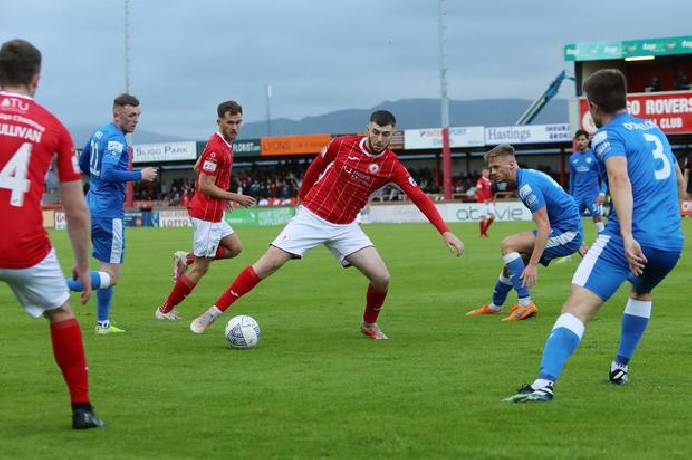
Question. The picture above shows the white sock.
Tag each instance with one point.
(599, 227)
(525, 302)
(104, 280)
(215, 312)
(541, 383)
(494, 307)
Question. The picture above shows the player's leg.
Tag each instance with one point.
(208, 238)
(104, 299)
(369, 262)
(599, 275)
(515, 250)
(597, 215)
(101, 237)
(637, 313)
(42, 291)
(246, 281)
(481, 225)
(490, 218)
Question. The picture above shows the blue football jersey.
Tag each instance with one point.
(538, 190)
(105, 154)
(585, 175)
(651, 169)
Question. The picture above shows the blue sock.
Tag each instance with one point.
(561, 343)
(515, 267)
(98, 281)
(502, 287)
(634, 322)
(105, 297)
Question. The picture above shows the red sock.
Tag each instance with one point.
(481, 226)
(190, 258)
(69, 354)
(221, 253)
(183, 287)
(243, 284)
(375, 299)
(488, 223)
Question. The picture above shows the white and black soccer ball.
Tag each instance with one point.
(242, 332)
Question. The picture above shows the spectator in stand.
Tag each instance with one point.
(654, 85)
(680, 83)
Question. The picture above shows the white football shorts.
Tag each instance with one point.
(487, 209)
(207, 236)
(307, 230)
(39, 288)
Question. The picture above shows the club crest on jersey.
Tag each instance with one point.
(374, 168)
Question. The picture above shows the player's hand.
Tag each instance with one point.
(149, 174)
(635, 257)
(583, 249)
(529, 276)
(83, 276)
(453, 243)
(601, 199)
(245, 201)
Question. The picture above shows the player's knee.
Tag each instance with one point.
(64, 312)
(380, 280)
(114, 277)
(507, 246)
(235, 250)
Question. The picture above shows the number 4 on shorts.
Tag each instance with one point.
(13, 175)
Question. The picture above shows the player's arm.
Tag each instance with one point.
(76, 211)
(318, 166)
(207, 185)
(110, 165)
(427, 207)
(621, 195)
(85, 159)
(540, 218)
(682, 185)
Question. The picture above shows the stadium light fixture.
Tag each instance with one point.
(648, 57)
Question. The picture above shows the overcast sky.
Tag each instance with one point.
(319, 56)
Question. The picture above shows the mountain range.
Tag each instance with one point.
(410, 114)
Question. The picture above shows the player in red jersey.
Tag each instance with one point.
(484, 196)
(30, 139)
(335, 188)
(213, 238)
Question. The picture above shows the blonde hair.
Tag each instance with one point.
(502, 150)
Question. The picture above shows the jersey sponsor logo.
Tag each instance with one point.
(373, 168)
(115, 147)
(599, 137)
(644, 126)
(15, 105)
(525, 190)
(209, 166)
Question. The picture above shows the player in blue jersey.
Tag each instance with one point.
(558, 232)
(586, 183)
(641, 243)
(105, 159)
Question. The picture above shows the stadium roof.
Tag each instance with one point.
(617, 50)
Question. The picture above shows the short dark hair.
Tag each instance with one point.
(383, 118)
(19, 62)
(608, 89)
(581, 132)
(228, 106)
(125, 99)
(502, 150)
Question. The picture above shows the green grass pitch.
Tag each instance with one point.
(315, 388)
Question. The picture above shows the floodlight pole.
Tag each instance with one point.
(268, 94)
(129, 195)
(444, 104)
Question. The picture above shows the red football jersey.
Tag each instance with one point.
(339, 181)
(216, 160)
(30, 138)
(484, 190)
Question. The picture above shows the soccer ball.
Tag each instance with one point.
(242, 332)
